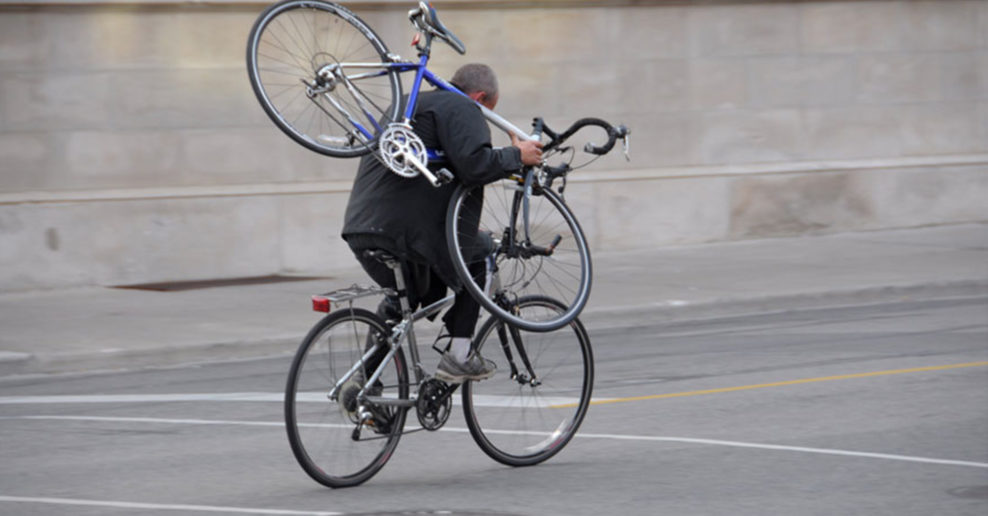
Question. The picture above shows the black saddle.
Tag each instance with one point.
(436, 27)
(382, 256)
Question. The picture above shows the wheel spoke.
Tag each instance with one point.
(520, 424)
(321, 429)
(522, 270)
(290, 44)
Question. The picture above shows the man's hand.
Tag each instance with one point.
(531, 151)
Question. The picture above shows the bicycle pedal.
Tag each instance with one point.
(444, 176)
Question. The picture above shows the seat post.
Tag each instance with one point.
(405, 327)
(399, 272)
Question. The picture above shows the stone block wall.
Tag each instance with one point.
(132, 148)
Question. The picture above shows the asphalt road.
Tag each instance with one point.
(877, 410)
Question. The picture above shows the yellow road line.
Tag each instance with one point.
(780, 384)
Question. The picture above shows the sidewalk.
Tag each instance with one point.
(96, 328)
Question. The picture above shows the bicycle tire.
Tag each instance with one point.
(289, 42)
(495, 209)
(499, 410)
(320, 429)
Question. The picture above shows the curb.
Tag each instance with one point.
(12, 363)
(24, 364)
(599, 319)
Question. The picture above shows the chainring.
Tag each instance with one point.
(397, 142)
(434, 404)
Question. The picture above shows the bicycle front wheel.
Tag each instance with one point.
(322, 75)
(541, 254)
(535, 403)
(321, 416)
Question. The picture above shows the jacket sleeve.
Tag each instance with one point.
(465, 137)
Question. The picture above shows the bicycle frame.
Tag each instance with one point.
(422, 73)
(403, 331)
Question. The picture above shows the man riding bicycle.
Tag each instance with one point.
(406, 217)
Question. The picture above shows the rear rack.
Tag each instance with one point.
(322, 302)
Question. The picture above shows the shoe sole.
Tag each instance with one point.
(451, 378)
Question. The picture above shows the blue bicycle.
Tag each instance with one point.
(329, 82)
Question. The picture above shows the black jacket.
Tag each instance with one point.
(408, 215)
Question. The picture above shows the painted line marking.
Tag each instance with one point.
(159, 507)
(619, 437)
(780, 447)
(155, 420)
(308, 397)
(778, 384)
(142, 398)
(486, 401)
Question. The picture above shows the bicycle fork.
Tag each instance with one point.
(522, 378)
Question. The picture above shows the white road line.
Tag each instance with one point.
(229, 422)
(154, 420)
(619, 437)
(481, 401)
(803, 449)
(141, 398)
(160, 507)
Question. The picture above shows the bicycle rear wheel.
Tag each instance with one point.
(518, 420)
(320, 74)
(547, 256)
(320, 427)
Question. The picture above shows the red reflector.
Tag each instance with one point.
(320, 304)
(417, 38)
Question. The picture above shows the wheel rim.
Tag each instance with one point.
(289, 45)
(564, 276)
(520, 424)
(320, 429)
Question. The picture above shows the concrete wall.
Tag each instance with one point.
(132, 148)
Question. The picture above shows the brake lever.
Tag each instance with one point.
(625, 134)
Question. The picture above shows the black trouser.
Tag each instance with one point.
(422, 286)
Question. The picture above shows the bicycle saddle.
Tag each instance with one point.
(437, 28)
(380, 255)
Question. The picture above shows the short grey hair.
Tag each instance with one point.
(474, 77)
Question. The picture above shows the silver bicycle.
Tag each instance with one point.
(344, 417)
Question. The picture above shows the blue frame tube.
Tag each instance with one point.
(421, 72)
(414, 94)
(441, 83)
